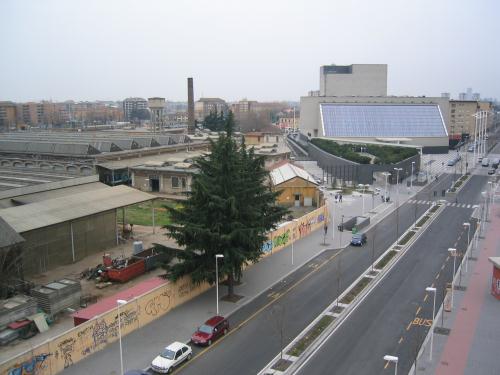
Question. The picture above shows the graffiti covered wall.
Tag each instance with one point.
(54, 356)
(293, 231)
(85, 339)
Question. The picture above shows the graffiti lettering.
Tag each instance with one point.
(267, 246)
(156, 305)
(100, 333)
(31, 367)
(282, 239)
(66, 347)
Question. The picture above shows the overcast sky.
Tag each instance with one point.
(258, 49)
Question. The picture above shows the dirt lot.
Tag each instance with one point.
(64, 321)
(74, 270)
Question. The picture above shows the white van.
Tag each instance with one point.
(485, 162)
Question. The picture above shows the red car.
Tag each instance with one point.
(213, 328)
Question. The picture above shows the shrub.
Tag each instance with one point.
(383, 154)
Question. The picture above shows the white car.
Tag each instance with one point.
(172, 356)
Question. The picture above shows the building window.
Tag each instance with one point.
(175, 182)
(183, 181)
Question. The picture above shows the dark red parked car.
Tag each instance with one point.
(213, 328)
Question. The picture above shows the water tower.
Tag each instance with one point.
(156, 106)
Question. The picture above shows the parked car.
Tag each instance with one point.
(213, 328)
(136, 372)
(485, 162)
(172, 356)
(451, 162)
(495, 162)
(491, 171)
(358, 239)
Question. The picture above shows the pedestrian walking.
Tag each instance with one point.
(336, 197)
(340, 198)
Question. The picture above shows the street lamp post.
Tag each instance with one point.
(120, 302)
(393, 359)
(397, 204)
(433, 290)
(468, 242)
(411, 177)
(397, 180)
(363, 187)
(217, 257)
(453, 253)
(386, 174)
(294, 221)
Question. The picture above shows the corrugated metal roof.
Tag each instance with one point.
(58, 210)
(289, 171)
(8, 236)
(57, 193)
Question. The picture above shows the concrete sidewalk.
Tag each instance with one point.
(471, 348)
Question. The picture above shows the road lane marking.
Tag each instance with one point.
(255, 314)
(386, 364)
(400, 340)
(425, 298)
(409, 325)
(418, 310)
(442, 267)
(437, 276)
(448, 258)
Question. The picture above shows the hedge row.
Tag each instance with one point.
(383, 154)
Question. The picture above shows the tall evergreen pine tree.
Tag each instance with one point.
(230, 209)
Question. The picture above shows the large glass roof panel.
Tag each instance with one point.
(381, 120)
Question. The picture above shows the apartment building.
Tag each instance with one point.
(133, 104)
(204, 106)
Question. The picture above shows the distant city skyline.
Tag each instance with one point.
(269, 51)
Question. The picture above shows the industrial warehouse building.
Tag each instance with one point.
(61, 228)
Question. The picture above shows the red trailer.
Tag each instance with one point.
(132, 268)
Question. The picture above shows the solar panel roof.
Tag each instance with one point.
(375, 120)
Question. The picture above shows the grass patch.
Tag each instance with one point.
(383, 262)
(434, 209)
(349, 297)
(337, 309)
(140, 214)
(312, 335)
(458, 183)
(281, 365)
(422, 221)
(406, 238)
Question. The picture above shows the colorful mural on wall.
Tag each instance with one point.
(294, 231)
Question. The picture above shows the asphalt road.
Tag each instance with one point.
(292, 304)
(396, 315)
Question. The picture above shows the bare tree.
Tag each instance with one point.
(278, 315)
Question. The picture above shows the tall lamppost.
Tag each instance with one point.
(453, 253)
(120, 302)
(397, 181)
(386, 174)
(411, 177)
(433, 290)
(393, 359)
(363, 187)
(294, 226)
(467, 225)
(217, 257)
(397, 204)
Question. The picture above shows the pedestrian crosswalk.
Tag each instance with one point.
(448, 204)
